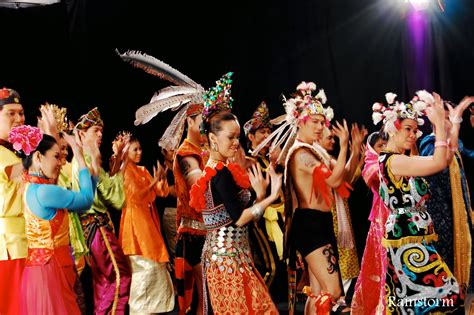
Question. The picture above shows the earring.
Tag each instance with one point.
(214, 146)
(41, 173)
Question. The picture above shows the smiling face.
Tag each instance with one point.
(311, 130)
(11, 115)
(49, 163)
(227, 139)
(405, 137)
(135, 152)
(327, 140)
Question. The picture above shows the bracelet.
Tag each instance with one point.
(256, 211)
(455, 120)
(441, 143)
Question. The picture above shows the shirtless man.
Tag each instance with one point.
(311, 180)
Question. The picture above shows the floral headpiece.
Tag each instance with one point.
(260, 119)
(395, 110)
(92, 118)
(303, 104)
(298, 108)
(25, 138)
(218, 98)
(60, 115)
(9, 96)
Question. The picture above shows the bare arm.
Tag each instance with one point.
(190, 169)
(402, 165)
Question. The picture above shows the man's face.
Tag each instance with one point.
(11, 115)
(258, 136)
(92, 136)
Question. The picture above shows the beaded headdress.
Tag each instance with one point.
(299, 108)
(391, 114)
(260, 119)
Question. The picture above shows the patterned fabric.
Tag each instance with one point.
(9, 96)
(450, 209)
(260, 119)
(369, 292)
(92, 118)
(194, 109)
(417, 279)
(232, 283)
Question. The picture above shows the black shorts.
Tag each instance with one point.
(311, 229)
(190, 248)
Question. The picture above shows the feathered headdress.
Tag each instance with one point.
(395, 110)
(260, 119)
(25, 138)
(218, 98)
(185, 95)
(299, 108)
(60, 115)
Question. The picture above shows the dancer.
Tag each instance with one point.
(151, 290)
(450, 206)
(266, 235)
(417, 279)
(232, 283)
(111, 273)
(49, 277)
(369, 293)
(13, 245)
(309, 180)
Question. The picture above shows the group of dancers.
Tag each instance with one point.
(253, 226)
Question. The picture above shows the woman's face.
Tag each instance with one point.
(405, 137)
(50, 162)
(227, 138)
(380, 145)
(311, 130)
(64, 151)
(135, 152)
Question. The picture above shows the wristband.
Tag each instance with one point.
(256, 211)
(440, 143)
(455, 120)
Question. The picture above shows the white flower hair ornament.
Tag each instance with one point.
(392, 114)
(303, 104)
(298, 109)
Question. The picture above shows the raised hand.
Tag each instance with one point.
(455, 114)
(435, 112)
(342, 132)
(47, 123)
(276, 181)
(258, 182)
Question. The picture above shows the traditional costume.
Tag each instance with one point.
(111, 273)
(185, 96)
(417, 279)
(369, 293)
(49, 277)
(151, 290)
(451, 211)
(13, 245)
(232, 284)
(301, 223)
(266, 235)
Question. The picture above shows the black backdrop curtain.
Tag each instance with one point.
(356, 50)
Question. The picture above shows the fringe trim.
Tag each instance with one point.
(409, 240)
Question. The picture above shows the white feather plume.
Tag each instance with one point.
(157, 67)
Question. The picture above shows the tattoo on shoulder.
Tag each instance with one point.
(307, 159)
(184, 166)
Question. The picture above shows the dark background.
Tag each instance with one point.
(357, 50)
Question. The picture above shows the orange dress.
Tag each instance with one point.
(141, 240)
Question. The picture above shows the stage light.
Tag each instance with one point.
(420, 5)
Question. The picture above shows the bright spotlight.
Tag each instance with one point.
(419, 5)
